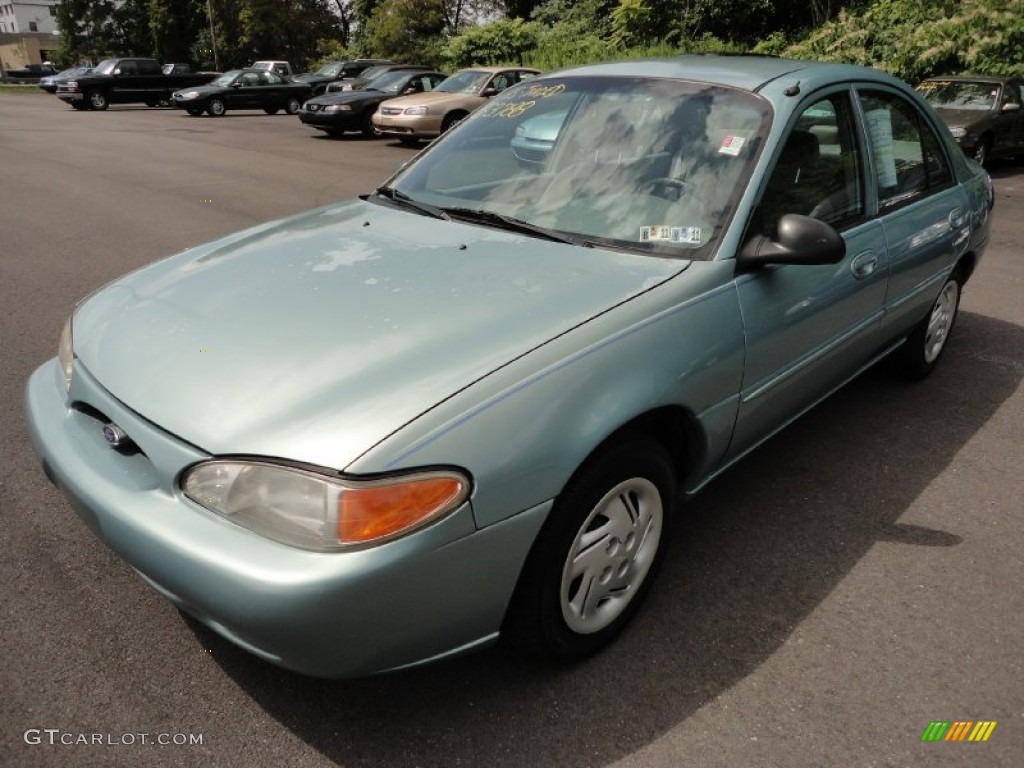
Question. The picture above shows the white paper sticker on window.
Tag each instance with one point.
(731, 145)
(880, 132)
(668, 234)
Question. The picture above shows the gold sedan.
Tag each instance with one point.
(428, 115)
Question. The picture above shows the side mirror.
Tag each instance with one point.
(117, 71)
(1011, 107)
(799, 240)
(489, 91)
(236, 84)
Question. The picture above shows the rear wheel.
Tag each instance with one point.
(97, 100)
(922, 350)
(292, 106)
(216, 108)
(597, 554)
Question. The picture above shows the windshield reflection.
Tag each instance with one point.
(655, 166)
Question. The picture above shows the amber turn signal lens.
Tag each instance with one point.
(368, 514)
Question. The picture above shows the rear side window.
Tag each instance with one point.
(908, 159)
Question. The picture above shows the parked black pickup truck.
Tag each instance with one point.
(128, 81)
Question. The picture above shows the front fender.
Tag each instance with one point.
(523, 430)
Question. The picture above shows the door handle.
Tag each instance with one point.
(863, 264)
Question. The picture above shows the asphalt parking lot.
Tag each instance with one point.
(855, 579)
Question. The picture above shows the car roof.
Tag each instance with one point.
(970, 79)
(747, 72)
(499, 69)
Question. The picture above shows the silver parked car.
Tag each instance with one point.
(395, 428)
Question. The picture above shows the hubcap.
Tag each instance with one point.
(940, 321)
(611, 555)
(217, 107)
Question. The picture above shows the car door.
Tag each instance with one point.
(1010, 133)
(924, 214)
(125, 88)
(245, 93)
(810, 328)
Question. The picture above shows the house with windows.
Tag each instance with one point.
(28, 32)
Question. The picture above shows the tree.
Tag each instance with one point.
(500, 42)
(406, 30)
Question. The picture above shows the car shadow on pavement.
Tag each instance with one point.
(751, 558)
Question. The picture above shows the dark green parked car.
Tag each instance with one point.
(983, 113)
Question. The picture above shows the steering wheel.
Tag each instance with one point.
(666, 187)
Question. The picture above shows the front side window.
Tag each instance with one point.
(650, 165)
(907, 155)
(819, 169)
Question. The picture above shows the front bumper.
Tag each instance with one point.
(439, 591)
(70, 96)
(341, 120)
(411, 126)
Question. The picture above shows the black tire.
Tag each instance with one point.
(293, 105)
(574, 596)
(271, 110)
(194, 112)
(97, 100)
(983, 151)
(921, 352)
(450, 121)
(368, 129)
(216, 107)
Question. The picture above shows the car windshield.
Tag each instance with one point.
(960, 94)
(649, 165)
(105, 67)
(467, 81)
(227, 78)
(390, 82)
(331, 69)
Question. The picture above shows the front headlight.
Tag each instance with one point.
(958, 133)
(66, 353)
(187, 94)
(416, 111)
(318, 512)
(338, 108)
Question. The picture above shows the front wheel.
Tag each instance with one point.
(597, 554)
(451, 120)
(271, 110)
(983, 150)
(292, 106)
(216, 108)
(369, 130)
(920, 353)
(97, 100)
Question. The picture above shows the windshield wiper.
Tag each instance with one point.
(511, 224)
(402, 200)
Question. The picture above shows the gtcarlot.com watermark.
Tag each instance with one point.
(56, 737)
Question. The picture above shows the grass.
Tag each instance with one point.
(13, 88)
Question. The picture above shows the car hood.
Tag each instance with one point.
(315, 337)
(346, 97)
(430, 98)
(963, 118)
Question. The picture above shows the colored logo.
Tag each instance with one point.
(958, 730)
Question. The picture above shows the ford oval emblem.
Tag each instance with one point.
(116, 436)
